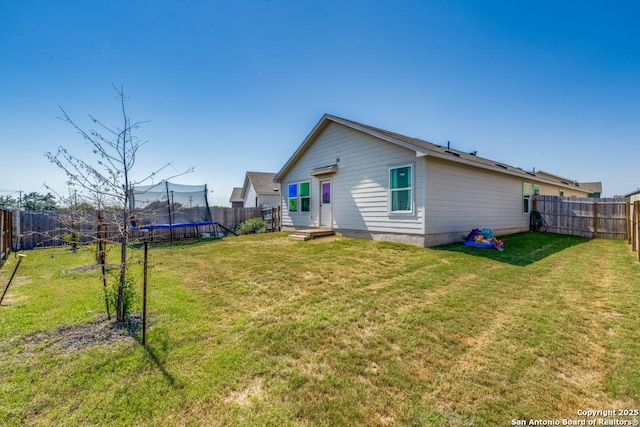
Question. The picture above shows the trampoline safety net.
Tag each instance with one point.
(170, 204)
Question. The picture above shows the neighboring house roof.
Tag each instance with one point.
(262, 183)
(422, 148)
(591, 187)
(236, 195)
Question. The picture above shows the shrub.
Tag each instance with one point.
(252, 225)
(131, 298)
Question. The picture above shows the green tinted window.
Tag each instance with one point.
(400, 184)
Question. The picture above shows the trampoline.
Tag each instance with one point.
(169, 206)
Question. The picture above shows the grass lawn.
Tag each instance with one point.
(260, 330)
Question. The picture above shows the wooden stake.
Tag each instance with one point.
(20, 256)
(144, 294)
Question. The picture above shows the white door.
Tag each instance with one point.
(325, 203)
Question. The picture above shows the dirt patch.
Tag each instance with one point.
(90, 267)
(84, 335)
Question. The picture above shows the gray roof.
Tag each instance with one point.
(592, 187)
(262, 182)
(236, 195)
(423, 148)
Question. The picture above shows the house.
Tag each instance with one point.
(362, 181)
(594, 188)
(258, 190)
(236, 198)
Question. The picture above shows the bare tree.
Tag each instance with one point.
(107, 179)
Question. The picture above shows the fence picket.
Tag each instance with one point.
(271, 216)
(586, 217)
(49, 228)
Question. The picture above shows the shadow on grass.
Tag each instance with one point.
(154, 358)
(160, 244)
(134, 328)
(521, 249)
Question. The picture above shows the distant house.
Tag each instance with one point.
(236, 198)
(258, 190)
(633, 196)
(594, 188)
(363, 181)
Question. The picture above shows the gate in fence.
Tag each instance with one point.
(271, 216)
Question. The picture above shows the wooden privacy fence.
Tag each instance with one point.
(60, 227)
(6, 224)
(581, 216)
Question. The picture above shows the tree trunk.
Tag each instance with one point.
(122, 283)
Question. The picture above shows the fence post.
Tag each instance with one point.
(632, 227)
(273, 228)
(636, 214)
(627, 212)
(595, 220)
(2, 238)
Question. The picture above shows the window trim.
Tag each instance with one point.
(294, 198)
(296, 188)
(300, 197)
(410, 189)
(526, 198)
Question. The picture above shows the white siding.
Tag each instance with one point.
(360, 189)
(250, 197)
(461, 198)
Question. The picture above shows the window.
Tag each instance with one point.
(300, 197)
(536, 190)
(293, 197)
(400, 185)
(526, 197)
(305, 196)
(326, 192)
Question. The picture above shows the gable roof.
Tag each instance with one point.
(422, 148)
(236, 195)
(262, 183)
(591, 187)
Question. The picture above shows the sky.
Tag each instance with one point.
(230, 86)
